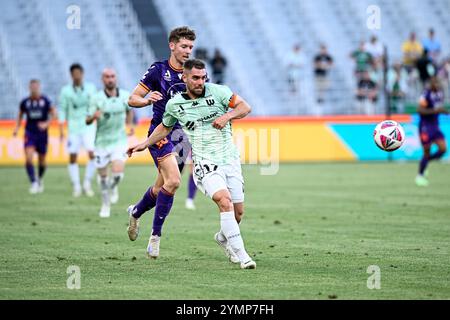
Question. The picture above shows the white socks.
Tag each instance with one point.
(90, 171)
(230, 229)
(105, 190)
(115, 179)
(74, 173)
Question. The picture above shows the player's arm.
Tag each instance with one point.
(158, 134)
(94, 112)
(62, 113)
(138, 97)
(130, 122)
(424, 111)
(240, 109)
(18, 122)
(43, 125)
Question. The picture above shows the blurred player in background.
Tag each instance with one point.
(203, 112)
(109, 108)
(73, 106)
(39, 111)
(430, 106)
(161, 82)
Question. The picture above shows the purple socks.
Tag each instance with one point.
(192, 188)
(30, 172)
(147, 202)
(163, 205)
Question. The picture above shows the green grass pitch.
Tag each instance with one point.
(313, 229)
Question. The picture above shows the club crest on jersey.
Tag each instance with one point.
(167, 76)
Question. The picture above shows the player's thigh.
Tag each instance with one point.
(209, 183)
(88, 140)
(101, 158)
(118, 158)
(235, 181)
(29, 153)
(73, 143)
(168, 167)
(442, 144)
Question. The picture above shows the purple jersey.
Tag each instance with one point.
(433, 100)
(164, 78)
(36, 110)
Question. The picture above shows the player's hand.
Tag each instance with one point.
(442, 110)
(221, 122)
(136, 148)
(16, 130)
(97, 114)
(154, 97)
(131, 132)
(43, 125)
(61, 136)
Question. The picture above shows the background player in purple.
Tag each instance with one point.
(430, 106)
(39, 111)
(161, 82)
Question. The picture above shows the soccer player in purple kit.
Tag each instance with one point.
(430, 106)
(161, 82)
(39, 112)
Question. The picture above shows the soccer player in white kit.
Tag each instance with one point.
(203, 112)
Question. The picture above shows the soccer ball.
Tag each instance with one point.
(389, 135)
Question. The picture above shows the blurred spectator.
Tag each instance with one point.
(376, 49)
(367, 94)
(296, 61)
(412, 51)
(218, 64)
(397, 86)
(432, 45)
(363, 60)
(322, 64)
(201, 53)
(444, 77)
(426, 68)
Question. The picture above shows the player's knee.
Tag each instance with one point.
(172, 184)
(91, 155)
(224, 203)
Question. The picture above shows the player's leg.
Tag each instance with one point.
(88, 139)
(117, 174)
(102, 161)
(147, 202)
(442, 149)
(41, 149)
(230, 228)
(192, 189)
(73, 146)
(168, 167)
(421, 180)
(29, 154)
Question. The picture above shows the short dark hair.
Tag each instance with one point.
(182, 32)
(76, 66)
(34, 81)
(194, 63)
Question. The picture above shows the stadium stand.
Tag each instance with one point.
(255, 37)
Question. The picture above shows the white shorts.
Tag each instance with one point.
(104, 156)
(85, 140)
(210, 178)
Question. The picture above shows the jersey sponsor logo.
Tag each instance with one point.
(211, 116)
(210, 102)
(167, 76)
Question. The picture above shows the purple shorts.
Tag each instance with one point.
(175, 143)
(430, 134)
(37, 140)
